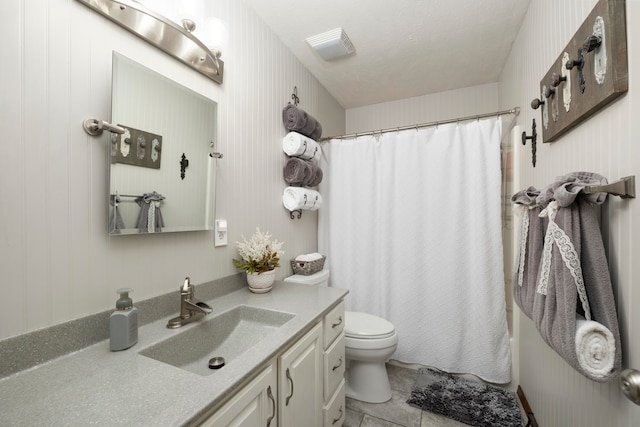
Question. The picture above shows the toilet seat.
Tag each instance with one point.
(367, 326)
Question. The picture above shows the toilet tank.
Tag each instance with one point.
(320, 278)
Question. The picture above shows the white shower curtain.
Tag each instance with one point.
(411, 225)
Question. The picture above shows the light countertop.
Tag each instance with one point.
(99, 387)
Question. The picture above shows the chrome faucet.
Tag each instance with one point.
(190, 308)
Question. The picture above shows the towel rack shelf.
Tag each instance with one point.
(624, 187)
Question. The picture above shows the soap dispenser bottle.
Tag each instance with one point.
(123, 323)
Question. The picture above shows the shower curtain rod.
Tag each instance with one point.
(515, 110)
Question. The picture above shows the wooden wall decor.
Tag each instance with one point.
(589, 74)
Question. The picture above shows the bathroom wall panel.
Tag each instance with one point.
(57, 261)
(423, 109)
(607, 144)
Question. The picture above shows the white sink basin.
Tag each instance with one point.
(226, 335)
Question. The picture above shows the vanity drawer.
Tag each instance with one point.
(335, 411)
(334, 364)
(333, 324)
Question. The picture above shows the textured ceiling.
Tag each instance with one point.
(404, 48)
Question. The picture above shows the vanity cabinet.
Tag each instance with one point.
(304, 386)
(334, 363)
(300, 383)
(253, 406)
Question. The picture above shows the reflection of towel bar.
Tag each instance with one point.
(625, 188)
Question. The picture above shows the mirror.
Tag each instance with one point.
(162, 177)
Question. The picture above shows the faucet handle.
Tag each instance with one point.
(186, 286)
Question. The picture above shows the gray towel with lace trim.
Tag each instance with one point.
(532, 232)
(554, 313)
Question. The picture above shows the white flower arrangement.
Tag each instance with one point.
(259, 254)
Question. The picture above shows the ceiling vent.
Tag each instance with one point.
(331, 45)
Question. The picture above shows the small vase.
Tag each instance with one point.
(261, 283)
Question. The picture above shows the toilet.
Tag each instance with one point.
(369, 342)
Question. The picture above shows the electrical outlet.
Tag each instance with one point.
(220, 238)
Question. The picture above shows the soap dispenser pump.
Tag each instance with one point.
(123, 323)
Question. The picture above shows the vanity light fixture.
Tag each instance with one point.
(173, 39)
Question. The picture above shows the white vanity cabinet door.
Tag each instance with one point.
(253, 406)
(300, 383)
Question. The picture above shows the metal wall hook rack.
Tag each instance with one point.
(625, 188)
(533, 138)
(95, 127)
(291, 213)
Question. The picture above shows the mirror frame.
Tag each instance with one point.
(188, 124)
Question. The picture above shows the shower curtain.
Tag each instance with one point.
(411, 226)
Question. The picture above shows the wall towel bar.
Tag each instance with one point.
(624, 187)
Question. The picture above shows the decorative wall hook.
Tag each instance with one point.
(536, 103)
(299, 213)
(294, 96)
(184, 164)
(533, 138)
(556, 79)
(579, 64)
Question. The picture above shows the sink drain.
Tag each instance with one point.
(216, 362)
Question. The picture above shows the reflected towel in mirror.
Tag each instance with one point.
(150, 218)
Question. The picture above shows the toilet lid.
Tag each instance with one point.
(363, 326)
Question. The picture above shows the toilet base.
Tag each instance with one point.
(368, 382)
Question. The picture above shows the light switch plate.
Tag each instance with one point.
(220, 238)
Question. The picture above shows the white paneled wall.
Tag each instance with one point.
(424, 109)
(57, 261)
(607, 144)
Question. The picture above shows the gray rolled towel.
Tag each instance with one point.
(297, 120)
(299, 172)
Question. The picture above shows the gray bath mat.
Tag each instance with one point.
(470, 402)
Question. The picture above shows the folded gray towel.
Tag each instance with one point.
(565, 189)
(545, 285)
(299, 172)
(150, 217)
(532, 233)
(554, 313)
(297, 120)
(115, 219)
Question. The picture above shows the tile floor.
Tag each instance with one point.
(396, 412)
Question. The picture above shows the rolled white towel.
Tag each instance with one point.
(301, 198)
(595, 347)
(309, 257)
(298, 145)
